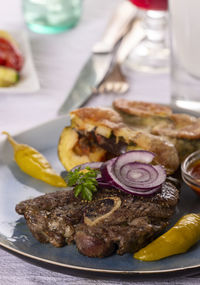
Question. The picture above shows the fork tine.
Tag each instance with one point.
(124, 88)
(109, 87)
(115, 82)
(116, 87)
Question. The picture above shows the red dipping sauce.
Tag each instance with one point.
(194, 170)
(160, 5)
(190, 169)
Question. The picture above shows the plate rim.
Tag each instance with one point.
(128, 272)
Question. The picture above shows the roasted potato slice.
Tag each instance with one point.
(97, 134)
(67, 150)
(103, 120)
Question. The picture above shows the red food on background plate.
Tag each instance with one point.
(10, 55)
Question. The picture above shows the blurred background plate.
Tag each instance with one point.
(28, 82)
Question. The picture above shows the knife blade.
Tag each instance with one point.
(90, 76)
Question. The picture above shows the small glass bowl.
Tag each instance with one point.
(191, 181)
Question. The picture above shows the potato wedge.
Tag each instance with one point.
(67, 154)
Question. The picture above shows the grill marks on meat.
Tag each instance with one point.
(51, 218)
(119, 222)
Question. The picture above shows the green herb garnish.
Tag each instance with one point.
(84, 183)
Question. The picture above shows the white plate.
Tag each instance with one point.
(28, 82)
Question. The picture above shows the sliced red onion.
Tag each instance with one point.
(103, 183)
(132, 156)
(92, 165)
(141, 175)
(137, 172)
(132, 173)
(105, 170)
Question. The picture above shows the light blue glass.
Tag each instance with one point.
(51, 16)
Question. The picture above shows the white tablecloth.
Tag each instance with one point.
(58, 60)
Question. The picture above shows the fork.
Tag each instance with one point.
(115, 81)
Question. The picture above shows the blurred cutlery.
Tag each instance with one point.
(115, 81)
(97, 66)
(117, 27)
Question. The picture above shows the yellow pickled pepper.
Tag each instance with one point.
(34, 163)
(184, 234)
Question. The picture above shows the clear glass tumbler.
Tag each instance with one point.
(51, 16)
(185, 46)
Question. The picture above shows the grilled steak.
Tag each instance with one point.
(112, 221)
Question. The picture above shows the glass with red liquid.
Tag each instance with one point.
(152, 54)
(160, 5)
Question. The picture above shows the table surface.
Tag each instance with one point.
(58, 60)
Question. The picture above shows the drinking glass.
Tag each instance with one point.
(152, 53)
(185, 59)
(51, 16)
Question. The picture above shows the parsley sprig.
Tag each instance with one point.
(84, 182)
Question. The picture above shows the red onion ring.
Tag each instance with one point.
(103, 183)
(132, 173)
(131, 170)
(132, 156)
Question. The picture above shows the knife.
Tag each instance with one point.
(90, 76)
(97, 66)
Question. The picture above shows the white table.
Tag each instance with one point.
(58, 60)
